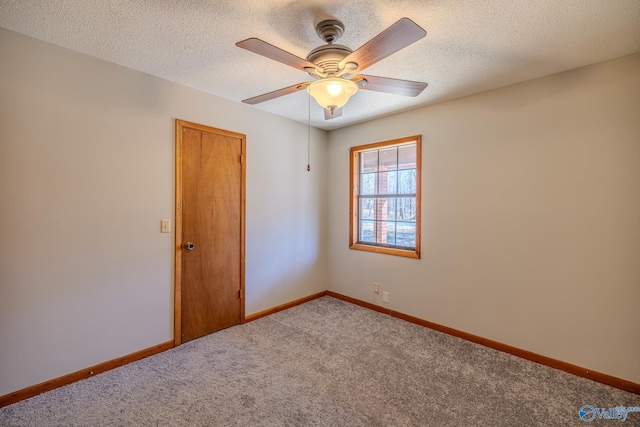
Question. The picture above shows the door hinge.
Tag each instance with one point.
(240, 293)
(241, 158)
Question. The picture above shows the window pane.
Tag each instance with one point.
(391, 208)
(388, 182)
(367, 209)
(407, 181)
(382, 233)
(382, 209)
(369, 161)
(368, 184)
(406, 234)
(406, 209)
(389, 230)
(367, 231)
(388, 159)
(407, 156)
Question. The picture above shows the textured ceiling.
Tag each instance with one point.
(471, 45)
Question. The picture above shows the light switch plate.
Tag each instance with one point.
(165, 225)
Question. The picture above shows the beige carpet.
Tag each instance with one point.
(325, 363)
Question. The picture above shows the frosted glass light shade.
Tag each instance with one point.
(332, 92)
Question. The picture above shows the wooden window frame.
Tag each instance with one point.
(354, 183)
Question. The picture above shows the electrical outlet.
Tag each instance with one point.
(385, 297)
(376, 288)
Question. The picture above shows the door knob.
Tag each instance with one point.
(189, 246)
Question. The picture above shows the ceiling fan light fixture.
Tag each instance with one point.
(332, 92)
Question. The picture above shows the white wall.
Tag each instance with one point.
(87, 160)
(530, 217)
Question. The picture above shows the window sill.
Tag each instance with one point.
(389, 251)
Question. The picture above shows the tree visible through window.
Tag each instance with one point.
(385, 199)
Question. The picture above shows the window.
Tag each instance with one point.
(385, 197)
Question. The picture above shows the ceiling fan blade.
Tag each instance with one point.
(328, 114)
(387, 85)
(396, 37)
(270, 51)
(276, 93)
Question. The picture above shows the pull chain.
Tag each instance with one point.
(309, 135)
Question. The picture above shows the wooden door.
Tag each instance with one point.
(210, 186)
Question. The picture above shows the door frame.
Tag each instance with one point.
(177, 303)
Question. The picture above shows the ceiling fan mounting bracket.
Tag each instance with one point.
(361, 82)
(330, 30)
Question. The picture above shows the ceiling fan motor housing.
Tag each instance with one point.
(328, 57)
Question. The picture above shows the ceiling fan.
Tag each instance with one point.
(335, 66)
